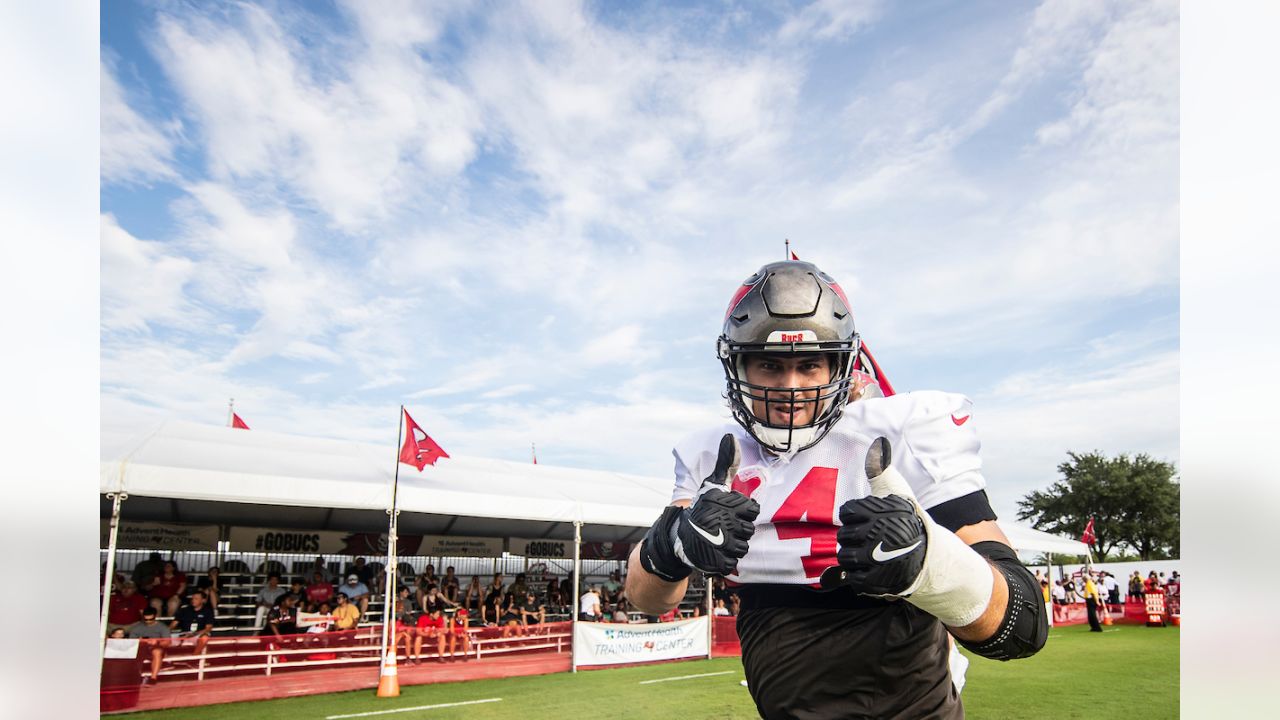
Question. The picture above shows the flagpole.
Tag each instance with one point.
(575, 602)
(231, 405)
(388, 605)
(787, 251)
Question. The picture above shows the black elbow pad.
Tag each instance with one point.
(1026, 624)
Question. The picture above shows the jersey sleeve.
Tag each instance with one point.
(942, 436)
(695, 457)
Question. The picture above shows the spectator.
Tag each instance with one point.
(154, 639)
(612, 588)
(1112, 587)
(555, 598)
(492, 606)
(428, 577)
(126, 607)
(589, 606)
(532, 610)
(363, 572)
(404, 627)
(346, 614)
(194, 620)
(299, 592)
(620, 612)
(267, 598)
(410, 606)
(496, 584)
(283, 618)
(1069, 587)
(1059, 593)
(320, 566)
(473, 598)
(720, 609)
(519, 587)
(1152, 584)
(431, 626)
(320, 591)
(671, 615)
(211, 585)
(146, 570)
(449, 579)
(510, 620)
(116, 634)
(458, 629)
(1135, 586)
(167, 589)
(357, 592)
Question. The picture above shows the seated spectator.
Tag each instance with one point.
(126, 607)
(720, 609)
(167, 589)
(154, 637)
(428, 577)
(433, 600)
(346, 614)
(298, 590)
(144, 571)
(496, 585)
(448, 580)
(519, 587)
(405, 599)
(357, 592)
(510, 620)
(589, 606)
(532, 610)
(492, 608)
(116, 634)
(431, 627)
(458, 630)
(612, 588)
(363, 572)
(194, 620)
(283, 618)
(620, 612)
(473, 597)
(555, 598)
(211, 585)
(405, 629)
(320, 591)
(267, 598)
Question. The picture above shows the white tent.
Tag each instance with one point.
(187, 472)
(1026, 539)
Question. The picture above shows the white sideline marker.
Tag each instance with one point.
(687, 677)
(411, 709)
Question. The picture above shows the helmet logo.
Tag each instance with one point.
(792, 336)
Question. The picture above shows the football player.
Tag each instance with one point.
(859, 534)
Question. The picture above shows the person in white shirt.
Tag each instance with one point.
(589, 606)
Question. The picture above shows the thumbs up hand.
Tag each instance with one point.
(712, 534)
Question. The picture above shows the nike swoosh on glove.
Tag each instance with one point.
(712, 534)
(890, 547)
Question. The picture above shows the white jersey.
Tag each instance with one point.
(934, 445)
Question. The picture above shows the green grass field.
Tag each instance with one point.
(1126, 668)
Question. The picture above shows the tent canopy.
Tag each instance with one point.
(188, 472)
(193, 473)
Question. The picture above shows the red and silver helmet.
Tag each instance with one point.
(784, 308)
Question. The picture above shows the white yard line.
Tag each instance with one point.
(687, 677)
(411, 709)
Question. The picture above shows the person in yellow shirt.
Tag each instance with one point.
(1092, 597)
(346, 614)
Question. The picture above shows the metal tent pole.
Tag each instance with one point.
(116, 498)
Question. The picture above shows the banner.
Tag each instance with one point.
(449, 546)
(320, 542)
(605, 550)
(614, 643)
(160, 536)
(541, 548)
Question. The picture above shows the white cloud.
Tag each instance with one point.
(133, 150)
(142, 282)
(829, 20)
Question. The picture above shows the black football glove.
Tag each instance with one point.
(882, 540)
(712, 534)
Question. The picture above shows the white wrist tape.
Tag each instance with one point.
(955, 583)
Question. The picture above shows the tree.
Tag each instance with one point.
(1132, 501)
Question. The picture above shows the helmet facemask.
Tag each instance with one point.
(828, 399)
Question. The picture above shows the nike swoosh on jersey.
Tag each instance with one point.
(716, 539)
(960, 421)
(879, 554)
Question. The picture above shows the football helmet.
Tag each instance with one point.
(786, 308)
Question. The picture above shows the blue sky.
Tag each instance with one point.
(523, 220)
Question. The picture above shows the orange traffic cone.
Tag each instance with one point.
(1106, 619)
(389, 681)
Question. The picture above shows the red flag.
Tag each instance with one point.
(535, 453)
(236, 422)
(419, 450)
(794, 256)
(867, 363)
(1088, 538)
